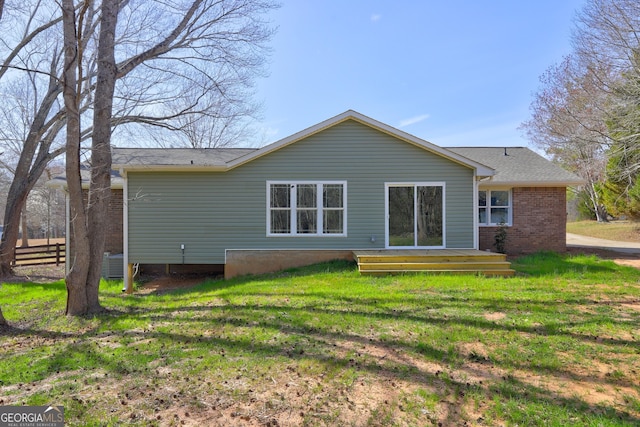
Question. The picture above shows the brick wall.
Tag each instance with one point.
(539, 222)
(114, 231)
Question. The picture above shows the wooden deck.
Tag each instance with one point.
(446, 261)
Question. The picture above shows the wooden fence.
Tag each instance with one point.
(53, 253)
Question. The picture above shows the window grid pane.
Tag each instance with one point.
(482, 216)
(280, 221)
(482, 198)
(332, 221)
(499, 215)
(307, 221)
(332, 196)
(280, 196)
(499, 198)
(306, 195)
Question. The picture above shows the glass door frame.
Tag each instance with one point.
(415, 185)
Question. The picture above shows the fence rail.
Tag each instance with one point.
(53, 253)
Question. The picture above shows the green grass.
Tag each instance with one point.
(555, 345)
(624, 231)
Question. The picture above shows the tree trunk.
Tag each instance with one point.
(24, 226)
(3, 321)
(10, 232)
(100, 191)
(77, 303)
(598, 207)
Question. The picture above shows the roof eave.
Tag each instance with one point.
(60, 184)
(491, 183)
(171, 168)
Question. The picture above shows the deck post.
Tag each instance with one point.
(129, 284)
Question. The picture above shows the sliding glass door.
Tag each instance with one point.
(415, 215)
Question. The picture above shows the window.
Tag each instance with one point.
(306, 208)
(494, 207)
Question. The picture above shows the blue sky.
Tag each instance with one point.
(456, 72)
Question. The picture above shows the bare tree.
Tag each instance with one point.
(164, 50)
(33, 142)
(221, 122)
(568, 122)
(581, 116)
(607, 34)
(622, 189)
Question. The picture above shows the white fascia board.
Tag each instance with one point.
(481, 170)
(57, 184)
(511, 184)
(170, 168)
(62, 185)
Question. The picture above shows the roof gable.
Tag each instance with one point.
(481, 169)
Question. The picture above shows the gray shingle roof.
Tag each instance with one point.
(176, 156)
(520, 166)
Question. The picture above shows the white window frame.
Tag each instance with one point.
(488, 207)
(319, 209)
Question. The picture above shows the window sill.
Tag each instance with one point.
(306, 235)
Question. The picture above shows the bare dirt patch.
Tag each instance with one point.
(161, 284)
(494, 316)
(37, 274)
(38, 242)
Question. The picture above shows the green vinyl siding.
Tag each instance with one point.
(209, 212)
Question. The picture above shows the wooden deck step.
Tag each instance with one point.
(444, 261)
(500, 273)
(434, 258)
(413, 266)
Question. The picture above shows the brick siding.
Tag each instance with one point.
(539, 222)
(114, 231)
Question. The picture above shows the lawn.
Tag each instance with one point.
(555, 345)
(624, 231)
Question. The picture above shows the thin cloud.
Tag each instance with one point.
(376, 17)
(413, 120)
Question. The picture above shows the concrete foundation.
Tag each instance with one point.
(242, 262)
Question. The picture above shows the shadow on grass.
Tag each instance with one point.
(305, 342)
(209, 329)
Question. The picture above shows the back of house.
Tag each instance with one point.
(348, 183)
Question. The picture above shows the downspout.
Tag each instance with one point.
(128, 286)
(476, 226)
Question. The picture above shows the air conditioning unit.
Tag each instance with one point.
(112, 267)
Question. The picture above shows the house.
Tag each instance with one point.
(348, 183)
